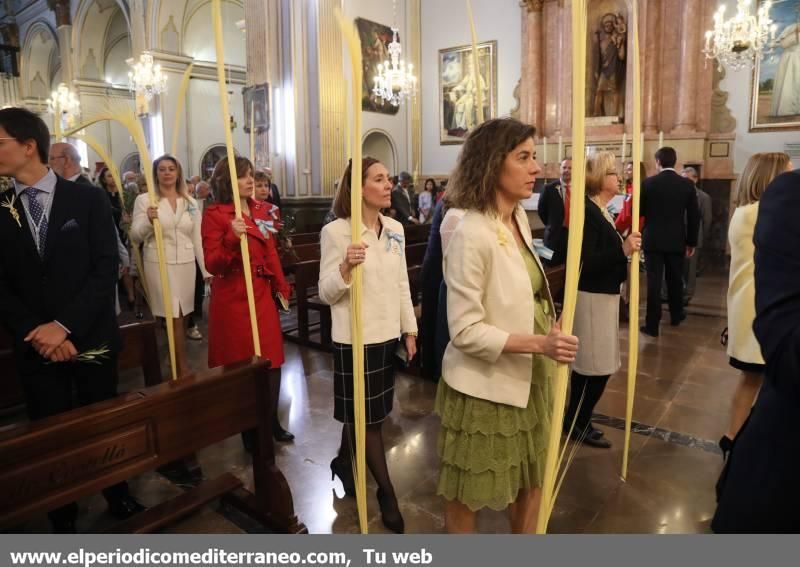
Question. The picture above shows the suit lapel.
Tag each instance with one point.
(27, 236)
(58, 213)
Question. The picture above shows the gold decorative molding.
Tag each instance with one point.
(532, 5)
(332, 97)
(414, 16)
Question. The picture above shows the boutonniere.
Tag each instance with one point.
(394, 242)
(9, 204)
(266, 227)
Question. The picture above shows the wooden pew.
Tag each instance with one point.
(304, 238)
(139, 349)
(60, 459)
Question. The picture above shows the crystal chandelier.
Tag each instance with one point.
(395, 80)
(64, 104)
(738, 42)
(146, 79)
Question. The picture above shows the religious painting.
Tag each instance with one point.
(256, 100)
(776, 90)
(606, 61)
(458, 91)
(375, 39)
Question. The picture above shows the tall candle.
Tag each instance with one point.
(544, 152)
(560, 155)
(661, 139)
(641, 143)
(624, 143)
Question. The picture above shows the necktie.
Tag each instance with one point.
(566, 206)
(37, 215)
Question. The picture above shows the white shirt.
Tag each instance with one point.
(387, 311)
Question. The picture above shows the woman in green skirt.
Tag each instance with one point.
(495, 397)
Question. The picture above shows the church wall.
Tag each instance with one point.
(396, 126)
(445, 24)
(738, 85)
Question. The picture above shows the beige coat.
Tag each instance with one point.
(386, 306)
(489, 297)
(742, 343)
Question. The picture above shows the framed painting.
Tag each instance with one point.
(458, 112)
(375, 39)
(256, 100)
(775, 101)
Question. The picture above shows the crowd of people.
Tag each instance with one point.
(491, 332)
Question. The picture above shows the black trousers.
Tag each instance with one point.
(51, 389)
(199, 296)
(584, 393)
(659, 263)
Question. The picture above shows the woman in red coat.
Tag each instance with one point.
(230, 337)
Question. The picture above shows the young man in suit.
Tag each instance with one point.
(552, 209)
(58, 275)
(669, 202)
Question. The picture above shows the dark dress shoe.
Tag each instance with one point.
(125, 507)
(595, 439)
(725, 445)
(681, 318)
(649, 332)
(280, 434)
(64, 527)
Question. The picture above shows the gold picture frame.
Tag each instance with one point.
(457, 114)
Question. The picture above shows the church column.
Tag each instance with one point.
(138, 32)
(691, 18)
(531, 85)
(64, 31)
(651, 66)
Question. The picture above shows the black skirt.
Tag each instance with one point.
(379, 381)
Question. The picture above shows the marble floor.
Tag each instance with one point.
(682, 394)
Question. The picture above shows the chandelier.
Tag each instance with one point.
(395, 80)
(64, 104)
(146, 79)
(738, 42)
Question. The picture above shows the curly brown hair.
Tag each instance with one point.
(221, 178)
(473, 183)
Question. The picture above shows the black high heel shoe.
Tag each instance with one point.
(341, 468)
(726, 444)
(280, 434)
(390, 513)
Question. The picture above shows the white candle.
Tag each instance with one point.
(661, 139)
(624, 143)
(560, 155)
(641, 143)
(544, 152)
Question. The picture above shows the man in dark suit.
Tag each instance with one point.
(65, 161)
(552, 210)
(669, 202)
(403, 201)
(58, 274)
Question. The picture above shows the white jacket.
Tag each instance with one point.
(181, 229)
(489, 297)
(387, 311)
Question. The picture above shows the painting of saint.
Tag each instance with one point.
(375, 40)
(607, 59)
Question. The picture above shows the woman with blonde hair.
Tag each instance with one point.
(604, 267)
(495, 396)
(743, 348)
(388, 315)
(180, 222)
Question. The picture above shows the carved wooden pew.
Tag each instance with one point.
(60, 459)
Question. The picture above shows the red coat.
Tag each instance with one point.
(230, 337)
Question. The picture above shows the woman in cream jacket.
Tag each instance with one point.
(743, 348)
(180, 223)
(494, 398)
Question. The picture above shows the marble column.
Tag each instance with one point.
(64, 32)
(691, 56)
(531, 83)
(651, 66)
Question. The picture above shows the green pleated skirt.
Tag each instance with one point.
(490, 451)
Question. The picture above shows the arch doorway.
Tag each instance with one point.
(210, 158)
(379, 144)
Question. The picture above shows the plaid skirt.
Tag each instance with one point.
(378, 376)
